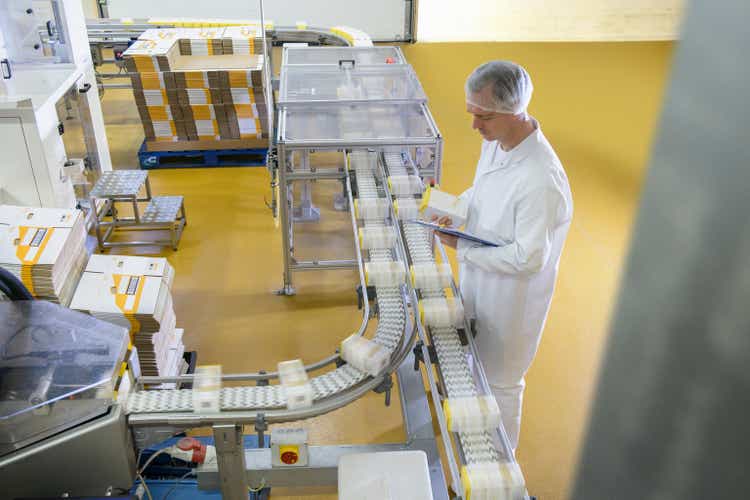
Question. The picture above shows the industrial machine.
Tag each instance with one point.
(51, 125)
(58, 370)
(350, 115)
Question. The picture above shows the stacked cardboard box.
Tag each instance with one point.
(45, 248)
(197, 84)
(243, 40)
(134, 292)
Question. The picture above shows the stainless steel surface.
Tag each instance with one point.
(326, 174)
(163, 213)
(162, 209)
(418, 424)
(285, 221)
(116, 85)
(78, 136)
(120, 183)
(57, 369)
(230, 461)
(322, 264)
(235, 377)
(82, 461)
(670, 416)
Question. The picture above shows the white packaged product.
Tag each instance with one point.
(293, 377)
(207, 389)
(385, 274)
(371, 208)
(493, 481)
(431, 276)
(376, 237)
(405, 185)
(439, 312)
(363, 160)
(439, 204)
(472, 414)
(406, 208)
(364, 354)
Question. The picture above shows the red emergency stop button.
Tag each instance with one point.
(289, 454)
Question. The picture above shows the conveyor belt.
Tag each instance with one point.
(452, 361)
(453, 364)
(389, 333)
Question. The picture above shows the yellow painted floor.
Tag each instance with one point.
(597, 103)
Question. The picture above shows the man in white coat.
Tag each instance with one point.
(520, 199)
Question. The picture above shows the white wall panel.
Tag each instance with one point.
(381, 19)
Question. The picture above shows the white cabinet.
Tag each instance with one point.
(19, 187)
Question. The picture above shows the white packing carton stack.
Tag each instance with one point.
(405, 185)
(473, 414)
(406, 208)
(362, 161)
(431, 275)
(293, 378)
(493, 481)
(245, 39)
(441, 312)
(45, 248)
(385, 274)
(376, 237)
(365, 355)
(371, 208)
(134, 292)
(207, 389)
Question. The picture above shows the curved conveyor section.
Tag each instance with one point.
(345, 383)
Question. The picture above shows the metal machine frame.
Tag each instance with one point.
(288, 171)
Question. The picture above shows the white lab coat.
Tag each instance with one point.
(521, 199)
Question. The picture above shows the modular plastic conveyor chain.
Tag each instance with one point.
(452, 361)
(390, 332)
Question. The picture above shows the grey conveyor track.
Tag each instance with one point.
(452, 360)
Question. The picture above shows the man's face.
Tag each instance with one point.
(491, 125)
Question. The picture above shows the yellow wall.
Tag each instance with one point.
(598, 103)
(544, 20)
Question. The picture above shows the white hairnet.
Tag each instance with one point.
(510, 83)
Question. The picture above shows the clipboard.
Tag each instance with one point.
(455, 232)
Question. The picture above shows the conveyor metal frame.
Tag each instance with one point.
(287, 174)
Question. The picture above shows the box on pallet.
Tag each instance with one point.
(198, 84)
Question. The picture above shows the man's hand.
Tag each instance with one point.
(446, 239)
(442, 221)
